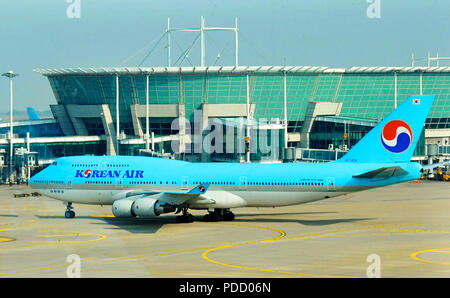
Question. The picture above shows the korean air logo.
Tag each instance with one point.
(396, 136)
(87, 173)
(201, 189)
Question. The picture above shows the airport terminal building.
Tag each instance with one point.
(317, 112)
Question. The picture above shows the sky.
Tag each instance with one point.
(107, 33)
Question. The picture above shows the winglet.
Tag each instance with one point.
(200, 189)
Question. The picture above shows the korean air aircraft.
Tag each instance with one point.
(146, 187)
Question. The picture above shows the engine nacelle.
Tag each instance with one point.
(149, 207)
(122, 208)
(142, 207)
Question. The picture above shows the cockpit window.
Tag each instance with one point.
(55, 163)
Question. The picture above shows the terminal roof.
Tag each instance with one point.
(235, 70)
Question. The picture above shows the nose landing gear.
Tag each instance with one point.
(69, 213)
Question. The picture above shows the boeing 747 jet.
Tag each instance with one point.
(146, 187)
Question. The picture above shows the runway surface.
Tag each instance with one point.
(407, 226)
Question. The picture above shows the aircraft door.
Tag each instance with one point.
(102, 192)
(69, 182)
(243, 182)
(185, 183)
(331, 184)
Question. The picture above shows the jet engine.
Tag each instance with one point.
(146, 207)
(122, 208)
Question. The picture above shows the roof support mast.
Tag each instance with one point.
(429, 59)
(168, 42)
(236, 42)
(202, 41)
(202, 31)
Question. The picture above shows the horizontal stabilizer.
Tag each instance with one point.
(381, 173)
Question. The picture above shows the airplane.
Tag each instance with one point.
(32, 114)
(145, 187)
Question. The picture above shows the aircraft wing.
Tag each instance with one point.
(174, 197)
(381, 173)
(435, 165)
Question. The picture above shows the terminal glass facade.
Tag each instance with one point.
(50, 151)
(365, 95)
(35, 128)
(369, 96)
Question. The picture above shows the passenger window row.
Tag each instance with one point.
(195, 183)
(84, 165)
(48, 182)
(286, 183)
(215, 182)
(97, 182)
(96, 165)
(210, 183)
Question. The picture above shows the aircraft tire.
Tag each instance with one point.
(69, 214)
(228, 216)
(216, 217)
(185, 218)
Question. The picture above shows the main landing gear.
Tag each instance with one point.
(69, 213)
(212, 216)
(219, 215)
(186, 217)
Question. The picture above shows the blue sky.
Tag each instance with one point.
(38, 34)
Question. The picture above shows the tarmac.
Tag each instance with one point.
(397, 231)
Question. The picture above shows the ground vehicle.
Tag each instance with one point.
(441, 175)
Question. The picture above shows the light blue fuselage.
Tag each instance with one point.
(104, 179)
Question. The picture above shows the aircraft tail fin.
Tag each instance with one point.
(395, 138)
(32, 114)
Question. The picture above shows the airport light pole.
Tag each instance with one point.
(11, 75)
(285, 111)
(247, 138)
(147, 130)
(117, 116)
